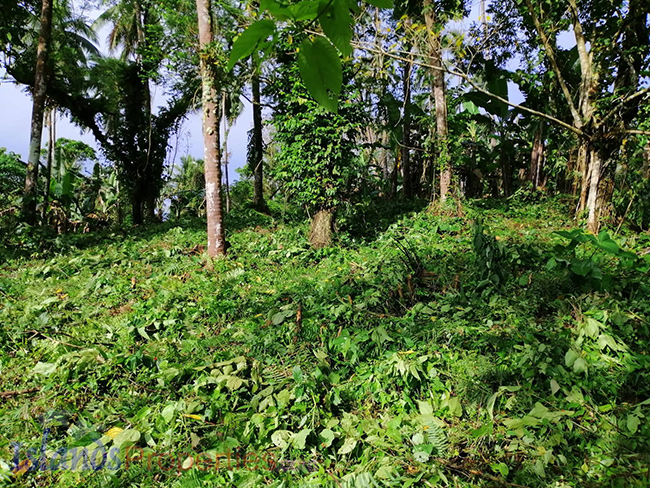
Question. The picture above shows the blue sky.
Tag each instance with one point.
(16, 110)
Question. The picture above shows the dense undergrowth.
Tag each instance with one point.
(476, 350)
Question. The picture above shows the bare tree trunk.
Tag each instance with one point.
(225, 149)
(583, 167)
(38, 108)
(595, 164)
(537, 157)
(50, 160)
(406, 131)
(438, 89)
(216, 236)
(322, 228)
(258, 160)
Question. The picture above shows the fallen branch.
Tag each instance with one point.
(10, 394)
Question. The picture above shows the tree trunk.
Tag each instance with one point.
(38, 108)
(50, 159)
(583, 167)
(438, 90)
(258, 145)
(136, 206)
(537, 157)
(406, 131)
(595, 163)
(225, 149)
(322, 228)
(212, 157)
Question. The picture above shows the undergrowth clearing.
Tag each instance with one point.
(477, 350)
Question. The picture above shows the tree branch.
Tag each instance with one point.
(577, 120)
(477, 87)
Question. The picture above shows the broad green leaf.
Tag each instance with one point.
(633, 423)
(168, 413)
(327, 435)
(347, 447)
(320, 69)
(275, 9)
(580, 366)
(281, 438)
(44, 368)
(554, 387)
(425, 408)
(126, 438)
(305, 10)
(334, 16)
(300, 438)
(249, 39)
(606, 243)
(570, 357)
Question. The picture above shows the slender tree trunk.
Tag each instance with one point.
(225, 149)
(38, 108)
(258, 144)
(210, 98)
(595, 166)
(50, 159)
(537, 157)
(438, 89)
(406, 130)
(584, 168)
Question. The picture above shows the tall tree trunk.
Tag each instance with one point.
(38, 108)
(210, 98)
(537, 157)
(595, 166)
(136, 206)
(258, 144)
(583, 168)
(406, 130)
(50, 159)
(225, 149)
(438, 90)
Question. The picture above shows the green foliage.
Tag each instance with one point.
(317, 163)
(376, 364)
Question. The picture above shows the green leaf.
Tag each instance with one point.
(570, 357)
(334, 16)
(580, 366)
(381, 3)
(44, 368)
(126, 438)
(281, 438)
(320, 69)
(347, 447)
(275, 9)
(305, 10)
(327, 435)
(632, 423)
(300, 438)
(249, 39)
(168, 413)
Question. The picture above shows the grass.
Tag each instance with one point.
(424, 352)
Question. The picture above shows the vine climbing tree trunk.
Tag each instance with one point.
(210, 99)
(38, 109)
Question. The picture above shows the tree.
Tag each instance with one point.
(210, 106)
(318, 158)
(38, 109)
